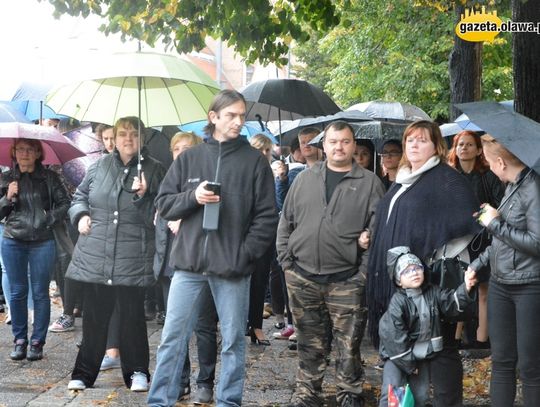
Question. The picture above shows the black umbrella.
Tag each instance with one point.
(290, 130)
(286, 99)
(517, 133)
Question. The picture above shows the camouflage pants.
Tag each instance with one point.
(319, 309)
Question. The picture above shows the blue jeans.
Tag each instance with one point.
(231, 297)
(18, 256)
(5, 281)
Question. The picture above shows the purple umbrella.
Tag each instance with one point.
(86, 140)
(57, 148)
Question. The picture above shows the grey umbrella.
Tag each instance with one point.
(517, 133)
(392, 111)
(372, 130)
(291, 129)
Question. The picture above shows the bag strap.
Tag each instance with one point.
(485, 187)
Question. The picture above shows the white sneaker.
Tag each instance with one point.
(110, 363)
(76, 385)
(139, 382)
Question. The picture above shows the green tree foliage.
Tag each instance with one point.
(397, 50)
(257, 29)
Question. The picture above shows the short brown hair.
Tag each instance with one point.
(100, 128)
(35, 144)
(435, 136)
(134, 121)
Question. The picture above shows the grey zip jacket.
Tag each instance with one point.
(322, 237)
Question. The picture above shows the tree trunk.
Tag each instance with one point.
(526, 53)
(465, 66)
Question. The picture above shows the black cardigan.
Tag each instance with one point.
(437, 208)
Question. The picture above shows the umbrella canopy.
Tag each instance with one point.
(451, 129)
(290, 130)
(28, 99)
(9, 114)
(286, 99)
(517, 133)
(86, 140)
(57, 148)
(466, 124)
(373, 130)
(248, 130)
(393, 111)
(171, 91)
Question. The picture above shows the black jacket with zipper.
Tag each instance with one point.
(248, 217)
(119, 250)
(514, 253)
(32, 216)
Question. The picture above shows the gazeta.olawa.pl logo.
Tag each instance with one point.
(480, 26)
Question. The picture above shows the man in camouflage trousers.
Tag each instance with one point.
(327, 208)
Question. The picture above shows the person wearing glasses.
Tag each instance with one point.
(113, 209)
(410, 329)
(32, 200)
(429, 209)
(390, 157)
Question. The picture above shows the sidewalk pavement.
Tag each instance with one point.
(270, 374)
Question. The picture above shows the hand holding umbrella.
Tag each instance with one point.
(13, 191)
(139, 185)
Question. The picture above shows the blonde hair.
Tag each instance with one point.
(187, 135)
(492, 146)
(260, 142)
(435, 136)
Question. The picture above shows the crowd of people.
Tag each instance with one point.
(340, 239)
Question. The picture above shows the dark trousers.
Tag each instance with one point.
(278, 291)
(419, 383)
(514, 332)
(446, 371)
(99, 303)
(257, 289)
(73, 295)
(113, 333)
(206, 334)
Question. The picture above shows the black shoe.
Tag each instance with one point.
(257, 341)
(19, 353)
(279, 325)
(293, 346)
(35, 352)
(149, 311)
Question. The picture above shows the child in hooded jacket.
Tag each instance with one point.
(410, 329)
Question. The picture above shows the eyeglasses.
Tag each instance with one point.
(390, 154)
(28, 150)
(409, 271)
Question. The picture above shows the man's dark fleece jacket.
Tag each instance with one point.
(248, 217)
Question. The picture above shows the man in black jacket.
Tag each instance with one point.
(221, 257)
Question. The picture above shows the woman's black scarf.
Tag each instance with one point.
(435, 209)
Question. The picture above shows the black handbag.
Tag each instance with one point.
(449, 273)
